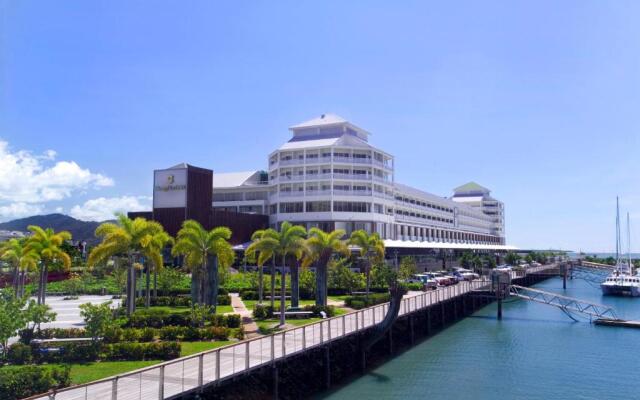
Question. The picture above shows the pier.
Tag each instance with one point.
(266, 360)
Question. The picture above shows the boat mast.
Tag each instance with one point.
(617, 231)
(629, 244)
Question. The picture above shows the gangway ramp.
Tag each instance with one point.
(566, 304)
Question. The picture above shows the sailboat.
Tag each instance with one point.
(622, 282)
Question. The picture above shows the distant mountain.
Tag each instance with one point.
(80, 230)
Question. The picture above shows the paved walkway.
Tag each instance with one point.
(250, 327)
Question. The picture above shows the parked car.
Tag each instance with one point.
(441, 279)
(466, 274)
(427, 280)
(504, 267)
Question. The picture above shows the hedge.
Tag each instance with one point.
(261, 311)
(162, 318)
(26, 335)
(69, 352)
(19, 354)
(360, 301)
(29, 380)
(140, 351)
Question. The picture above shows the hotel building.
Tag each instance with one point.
(329, 176)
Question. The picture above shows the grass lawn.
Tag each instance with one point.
(83, 373)
(219, 309)
(339, 298)
(251, 303)
(188, 348)
(270, 325)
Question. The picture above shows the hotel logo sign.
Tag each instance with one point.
(170, 188)
(170, 185)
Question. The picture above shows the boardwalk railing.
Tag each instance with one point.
(193, 372)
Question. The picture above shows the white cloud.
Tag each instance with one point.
(104, 208)
(29, 178)
(19, 210)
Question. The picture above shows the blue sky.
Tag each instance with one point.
(536, 100)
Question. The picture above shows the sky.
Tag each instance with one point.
(537, 100)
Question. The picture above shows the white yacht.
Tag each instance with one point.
(622, 282)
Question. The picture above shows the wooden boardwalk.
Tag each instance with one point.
(187, 374)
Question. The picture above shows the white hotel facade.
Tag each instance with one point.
(329, 176)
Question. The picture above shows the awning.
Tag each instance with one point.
(409, 244)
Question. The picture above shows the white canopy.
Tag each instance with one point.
(408, 244)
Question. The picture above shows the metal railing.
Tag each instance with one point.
(187, 374)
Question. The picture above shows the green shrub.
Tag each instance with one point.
(414, 286)
(330, 311)
(130, 335)
(19, 354)
(171, 332)
(361, 301)
(141, 351)
(220, 333)
(29, 380)
(68, 352)
(261, 311)
(218, 320)
(147, 335)
(26, 335)
(113, 335)
(233, 320)
(224, 300)
(249, 295)
(191, 334)
(239, 333)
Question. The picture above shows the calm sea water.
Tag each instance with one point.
(535, 352)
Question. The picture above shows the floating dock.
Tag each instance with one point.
(617, 322)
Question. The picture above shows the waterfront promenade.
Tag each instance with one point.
(187, 374)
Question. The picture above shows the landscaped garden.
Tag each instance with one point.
(174, 311)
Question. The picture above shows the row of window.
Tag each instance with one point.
(423, 204)
(325, 206)
(424, 216)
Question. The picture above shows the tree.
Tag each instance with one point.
(261, 250)
(12, 317)
(132, 239)
(98, 318)
(156, 244)
(22, 260)
(407, 268)
(39, 314)
(529, 258)
(465, 259)
(48, 245)
(204, 251)
(321, 247)
(291, 242)
(341, 276)
(512, 258)
(371, 249)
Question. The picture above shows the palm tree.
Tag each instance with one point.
(23, 260)
(158, 242)
(203, 251)
(371, 249)
(265, 247)
(47, 245)
(322, 246)
(133, 239)
(286, 242)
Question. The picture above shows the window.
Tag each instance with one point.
(318, 206)
(347, 206)
(290, 207)
(251, 209)
(378, 209)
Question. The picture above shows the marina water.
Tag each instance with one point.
(535, 352)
